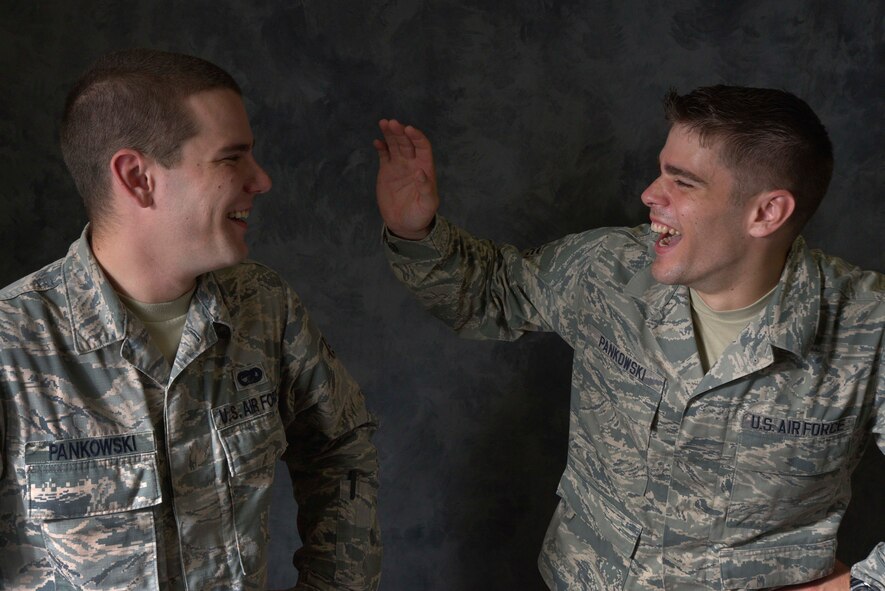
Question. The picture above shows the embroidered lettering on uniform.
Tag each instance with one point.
(250, 406)
(531, 252)
(243, 409)
(85, 449)
(250, 376)
(624, 361)
(795, 427)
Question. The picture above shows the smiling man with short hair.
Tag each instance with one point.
(151, 379)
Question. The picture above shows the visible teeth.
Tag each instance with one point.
(662, 229)
(239, 215)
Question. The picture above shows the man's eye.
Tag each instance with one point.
(231, 158)
(683, 184)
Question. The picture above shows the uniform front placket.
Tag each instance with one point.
(673, 350)
(204, 528)
(702, 458)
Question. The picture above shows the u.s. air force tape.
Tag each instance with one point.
(795, 427)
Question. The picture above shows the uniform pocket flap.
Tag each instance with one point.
(96, 476)
(757, 568)
(806, 448)
(253, 443)
(597, 513)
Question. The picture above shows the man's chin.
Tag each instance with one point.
(664, 274)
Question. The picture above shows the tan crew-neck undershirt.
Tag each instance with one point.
(164, 321)
(714, 331)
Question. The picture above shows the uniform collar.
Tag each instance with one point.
(208, 296)
(98, 318)
(790, 319)
(644, 287)
(794, 312)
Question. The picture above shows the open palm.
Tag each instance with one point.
(406, 186)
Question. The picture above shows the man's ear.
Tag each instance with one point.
(770, 212)
(131, 176)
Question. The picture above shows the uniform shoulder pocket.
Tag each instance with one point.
(357, 542)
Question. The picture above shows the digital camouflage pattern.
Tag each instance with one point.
(736, 479)
(121, 472)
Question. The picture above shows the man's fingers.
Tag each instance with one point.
(381, 148)
(418, 139)
(403, 143)
(399, 141)
(390, 129)
(421, 145)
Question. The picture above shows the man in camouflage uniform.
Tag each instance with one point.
(138, 445)
(726, 378)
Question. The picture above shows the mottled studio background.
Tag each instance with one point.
(546, 119)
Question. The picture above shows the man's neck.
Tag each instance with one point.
(747, 285)
(137, 273)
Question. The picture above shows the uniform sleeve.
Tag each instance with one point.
(2, 432)
(872, 569)
(332, 462)
(480, 289)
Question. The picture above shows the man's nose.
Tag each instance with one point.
(653, 194)
(260, 182)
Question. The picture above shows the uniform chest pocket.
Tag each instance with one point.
(96, 513)
(627, 389)
(788, 472)
(252, 445)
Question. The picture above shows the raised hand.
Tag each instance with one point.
(406, 186)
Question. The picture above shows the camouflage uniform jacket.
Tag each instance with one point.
(120, 472)
(676, 479)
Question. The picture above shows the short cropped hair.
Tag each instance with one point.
(134, 99)
(769, 139)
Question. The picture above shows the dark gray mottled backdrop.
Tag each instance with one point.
(546, 119)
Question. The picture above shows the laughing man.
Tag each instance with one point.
(726, 378)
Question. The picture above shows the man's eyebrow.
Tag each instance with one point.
(236, 147)
(676, 171)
